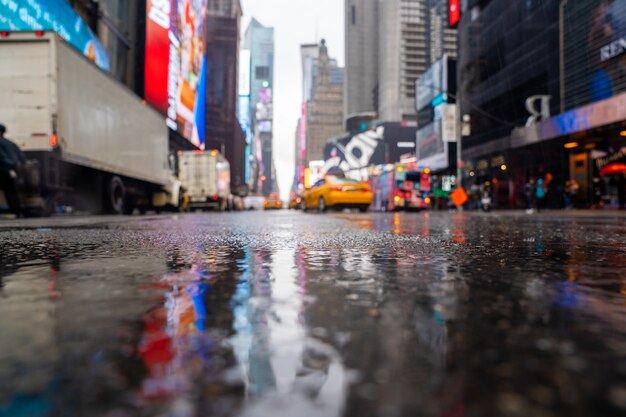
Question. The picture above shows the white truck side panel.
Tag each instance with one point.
(198, 174)
(25, 104)
(103, 125)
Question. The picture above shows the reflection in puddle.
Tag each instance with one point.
(448, 317)
(288, 371)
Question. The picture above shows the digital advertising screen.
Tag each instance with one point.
(594, 36)
(54, 15)
(175, 76)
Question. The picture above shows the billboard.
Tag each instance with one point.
(245, 60)
(386, 144)
(175, 75)
(432, 84)
(594, 51)
(54, 15)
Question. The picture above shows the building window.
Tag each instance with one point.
(353, 14)
(262, 73)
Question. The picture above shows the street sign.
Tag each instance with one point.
(459, 196)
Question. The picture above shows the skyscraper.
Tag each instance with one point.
(442, 39)
(389, 44)
(259, 40)
(402, 56)
(325, 107)
(222, 128)
(361, 74)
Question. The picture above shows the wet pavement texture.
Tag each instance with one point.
(299, 314)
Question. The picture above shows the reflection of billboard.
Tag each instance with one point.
(175, 64)
(55, 15)
(594, 51)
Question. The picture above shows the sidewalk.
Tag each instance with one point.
(556, 213)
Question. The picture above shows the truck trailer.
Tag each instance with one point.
(205, 177)
(99, 147)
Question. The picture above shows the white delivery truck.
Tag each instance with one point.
(205, 177)
(98, 146)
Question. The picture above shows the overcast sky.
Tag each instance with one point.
(295, 22)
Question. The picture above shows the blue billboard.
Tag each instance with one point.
(55, 15)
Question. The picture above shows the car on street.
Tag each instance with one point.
(295, 202)
(335, 192)
(272, 202)
(253, 202)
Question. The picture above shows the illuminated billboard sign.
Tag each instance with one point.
(175, 76)
(244, 72)
(594, 40)
(54, 15)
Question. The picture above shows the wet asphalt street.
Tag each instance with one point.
(293, 314)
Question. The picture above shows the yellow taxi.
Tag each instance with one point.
(295, 202)
(272, 202)
(334, 192)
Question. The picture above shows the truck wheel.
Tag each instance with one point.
(115, 196)
(129, 206)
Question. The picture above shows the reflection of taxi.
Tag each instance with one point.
(272, 202)
(336, 192)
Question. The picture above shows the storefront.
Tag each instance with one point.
(590, 140)
(578, 74)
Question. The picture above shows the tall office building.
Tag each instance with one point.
(324, 110)
(259, 40)
(442, 39)
(403, 56)
(223, 131)
(389, 44)
(361, 37)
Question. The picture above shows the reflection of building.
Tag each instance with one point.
(259, 40)
(509, 60)
(223, 131)
(325, 108)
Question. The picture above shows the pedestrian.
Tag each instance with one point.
(570, 192)
(12, 160)
(540, 194)
(529, 193)
(621, 190)
(598, 192)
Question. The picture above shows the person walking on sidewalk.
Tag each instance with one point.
(540, 194)
(529, 193)
(621, 190)
(12, 159)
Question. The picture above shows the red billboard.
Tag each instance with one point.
(175, 80)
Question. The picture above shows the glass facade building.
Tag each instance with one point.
(544, 82)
